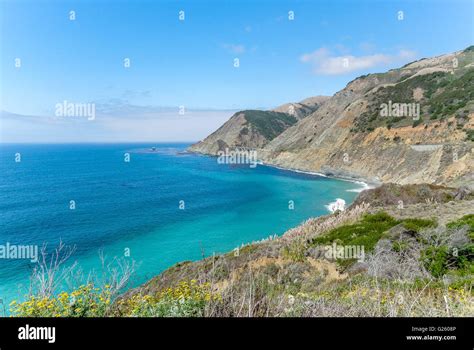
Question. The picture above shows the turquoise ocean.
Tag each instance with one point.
(163, 206)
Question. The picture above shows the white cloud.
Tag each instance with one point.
(324, 62)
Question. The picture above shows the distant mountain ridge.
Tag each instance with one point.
(348, 135)
(256, 128)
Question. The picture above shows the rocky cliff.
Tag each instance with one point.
(414, 124)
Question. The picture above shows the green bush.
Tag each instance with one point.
(416, 225)
(459, 261)
(469, 135)
(466, 220)
(366, 232)
(435, 260)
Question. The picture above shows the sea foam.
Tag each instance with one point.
(339, 204)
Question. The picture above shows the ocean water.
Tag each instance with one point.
(135, 206)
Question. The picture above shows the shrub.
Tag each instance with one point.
(416, 225)
(295, 251)
(466, 220)
(187, 299)
(86, 301)
(451, 251)
(366, 232)
(435, 260)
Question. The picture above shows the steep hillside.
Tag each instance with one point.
(303, 108)
(254, 128)
(349, 135)
(414, 124)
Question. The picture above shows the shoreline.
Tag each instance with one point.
(365, 183)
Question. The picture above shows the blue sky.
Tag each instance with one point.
(191, 62)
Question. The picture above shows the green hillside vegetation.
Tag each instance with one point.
(268, 123)
(368, 231)
(470, 135)
(443, 260)
(444, 95)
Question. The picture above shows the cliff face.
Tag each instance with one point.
(427, 138)
(254, 128)
(436, 154)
